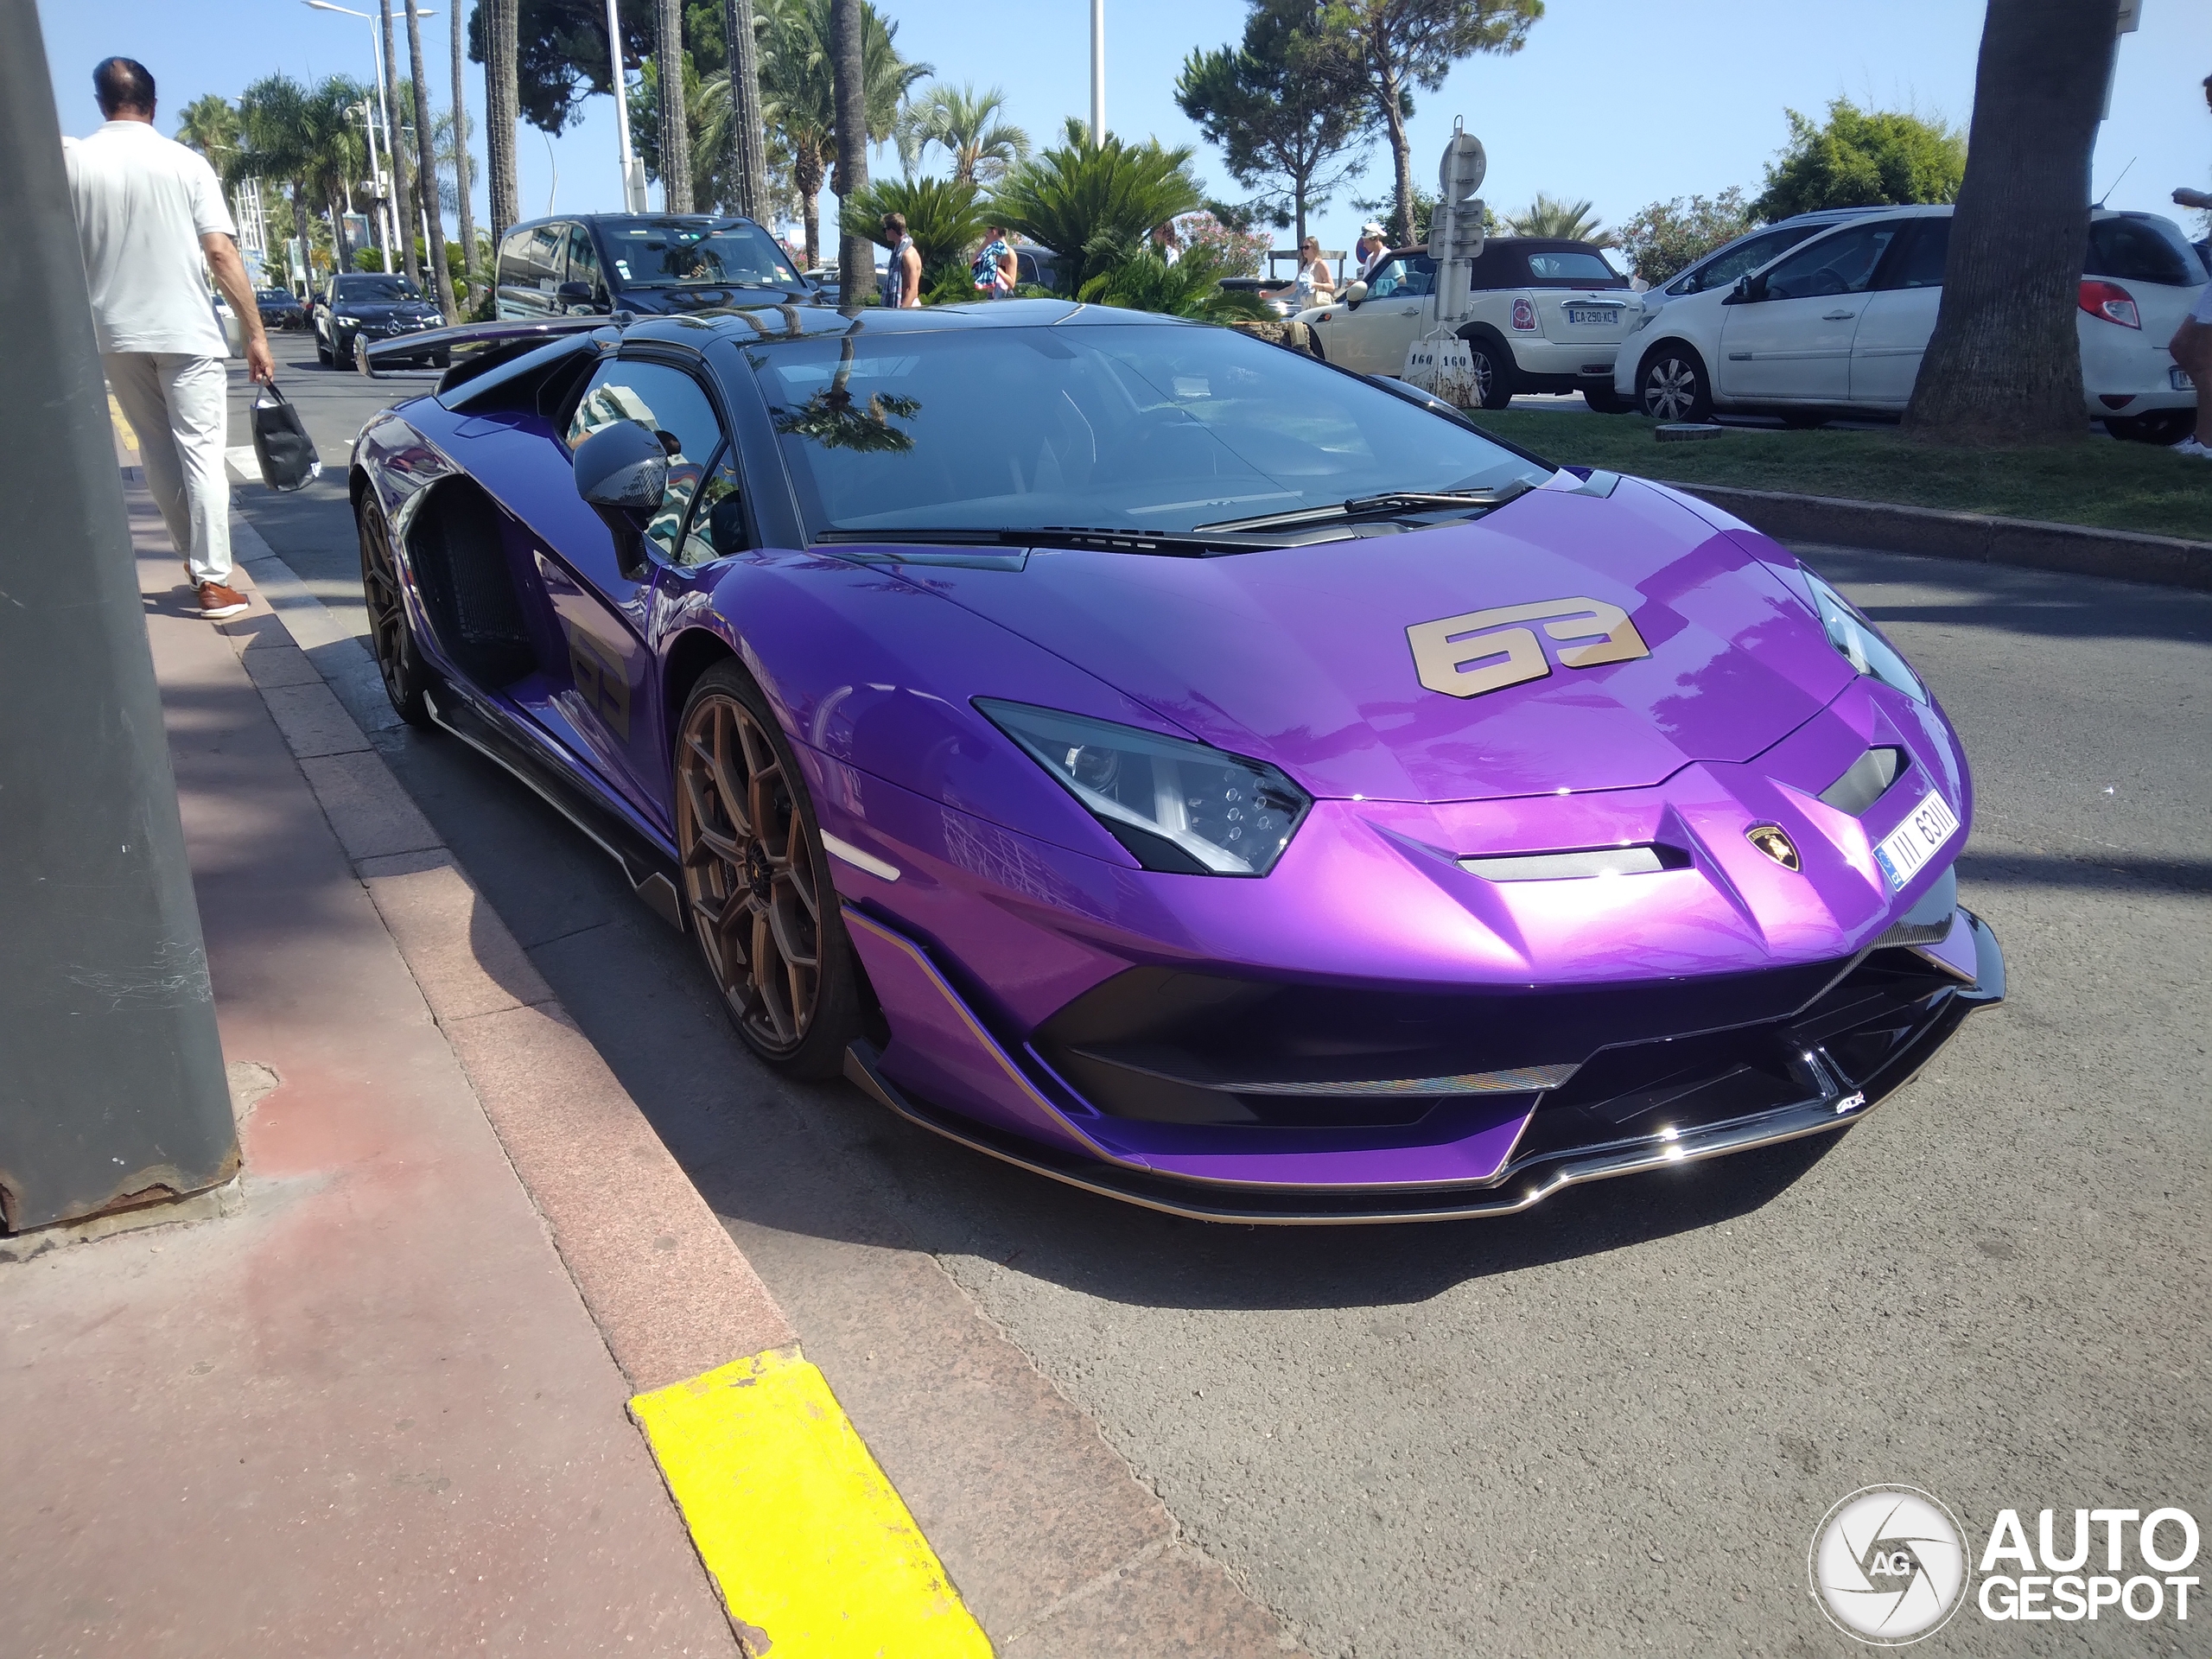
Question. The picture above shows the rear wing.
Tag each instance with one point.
(471, 347)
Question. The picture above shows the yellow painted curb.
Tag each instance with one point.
(812, 1548)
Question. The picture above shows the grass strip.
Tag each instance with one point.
(2137, 486)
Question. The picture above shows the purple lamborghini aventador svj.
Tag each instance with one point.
(1177, 765)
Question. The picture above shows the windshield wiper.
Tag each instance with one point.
(1168, 544)
(1383, 506)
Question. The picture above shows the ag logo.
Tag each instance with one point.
(602, 678)
(1888, 1564)
(1467, 656)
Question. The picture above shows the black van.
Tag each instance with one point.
(584, 263)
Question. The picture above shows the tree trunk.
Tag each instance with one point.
(1402, 156)
(502, 100)
(2004, 365)
(855, 253)
(675, 131)
(426, 172)
(344, 259)
(748, 147)
(467, 211)
(1298, 204)
(806, 179)
(403, 169)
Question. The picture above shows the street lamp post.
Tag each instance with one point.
(634, 172)
(383, 111)
(1097, 72)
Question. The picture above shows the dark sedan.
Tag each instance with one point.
(365, 305)
(280, 309)
(659, 264)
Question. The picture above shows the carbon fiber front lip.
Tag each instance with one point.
(1520, 1188)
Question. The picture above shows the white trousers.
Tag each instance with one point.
(179, 406)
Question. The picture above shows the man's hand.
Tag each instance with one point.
(2188, 198)
(229, 272)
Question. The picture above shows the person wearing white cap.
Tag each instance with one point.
(1367, 252)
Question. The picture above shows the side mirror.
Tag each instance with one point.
(573, 290)
(623, 468)
(1355, 294)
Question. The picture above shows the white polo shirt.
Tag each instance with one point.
(143, 203)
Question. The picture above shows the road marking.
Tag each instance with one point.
(123, 433)
(243, 465)
(812, 1548)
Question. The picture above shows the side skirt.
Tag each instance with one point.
(650, 867)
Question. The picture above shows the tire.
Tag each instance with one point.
(757, 889)
(1493, 374)
(322, 352)
(407, 678)
(1671, 384)
(2162, 426)
(1606, 401)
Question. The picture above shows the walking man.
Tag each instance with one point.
(148, 213)
(2192, 342)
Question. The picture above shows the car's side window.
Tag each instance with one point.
(1420, 275)
(1385, 282)
(1918, 262)
(1842, 263)
(675, 405)
(718, 526)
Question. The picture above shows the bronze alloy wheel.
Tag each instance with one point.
(392, 637)
(749, 871)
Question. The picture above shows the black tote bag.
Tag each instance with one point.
(281, 444)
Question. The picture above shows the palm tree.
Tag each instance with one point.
(942, 217)
(502, 103)
(1093, 204)
(334, 151)
(1572, 221)
(1189, 288)
(434, 239)
(798, 94)
(461, 139)
(675, 131)
(210, 125)
(967, 126)
(274, 143)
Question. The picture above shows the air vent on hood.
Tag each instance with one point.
(1572, 866)
(1868, 780)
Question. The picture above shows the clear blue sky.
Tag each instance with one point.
(1621, 102)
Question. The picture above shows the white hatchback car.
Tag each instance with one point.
(1839, 324)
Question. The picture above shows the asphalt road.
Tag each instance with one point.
(1612, 1425)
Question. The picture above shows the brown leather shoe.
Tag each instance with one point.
(217, 601)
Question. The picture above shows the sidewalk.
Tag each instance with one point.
(368, 1412)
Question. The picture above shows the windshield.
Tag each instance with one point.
(1148, 427)
(651, 254)
(376, 287)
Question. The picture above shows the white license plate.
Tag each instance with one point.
(2177, 378)
(1598, 313)
(1907, 849)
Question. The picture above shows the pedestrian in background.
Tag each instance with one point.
(151, 224)
(1367, 252)
(2192, 342)
(1166, 243)
(902, 275)
(996, 267)
(1314, 285)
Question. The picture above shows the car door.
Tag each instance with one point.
(604, 690)
(1788, 339)
(584, 285)
(1900, 315)
(1370, 338)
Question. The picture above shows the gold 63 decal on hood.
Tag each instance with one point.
(1465, 656)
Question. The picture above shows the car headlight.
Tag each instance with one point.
(1854, 635)
(341, 316)
(1178, 806)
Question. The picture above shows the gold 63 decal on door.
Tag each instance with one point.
(1465, 656)
(602, 678)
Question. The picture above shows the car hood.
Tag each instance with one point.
(1302, 655)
